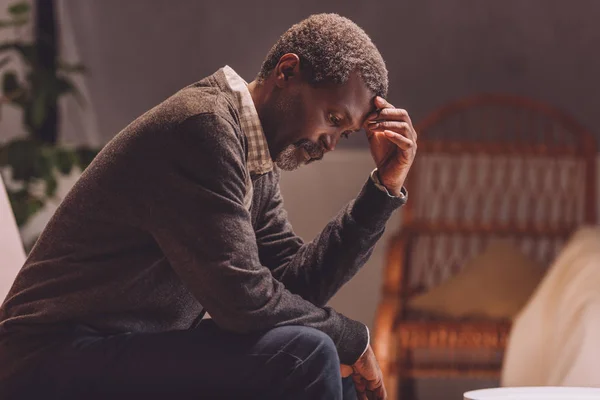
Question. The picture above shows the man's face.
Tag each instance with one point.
(311, 119)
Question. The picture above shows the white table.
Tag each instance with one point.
(534, 393)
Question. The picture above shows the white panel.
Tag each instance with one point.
(12, 255)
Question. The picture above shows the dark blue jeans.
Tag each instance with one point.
(291, 363)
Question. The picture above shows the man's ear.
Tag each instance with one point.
(287, 69)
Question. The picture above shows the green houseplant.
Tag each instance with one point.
(33, 162)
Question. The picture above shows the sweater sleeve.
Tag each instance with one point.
(195, 211)
(317, 270)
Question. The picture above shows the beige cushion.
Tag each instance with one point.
(495, 284)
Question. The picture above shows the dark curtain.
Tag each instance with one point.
(46, 35)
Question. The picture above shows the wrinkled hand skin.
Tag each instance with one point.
(368, 378)
(393, 143)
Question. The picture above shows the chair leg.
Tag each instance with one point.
(405, 389)
(391, 380)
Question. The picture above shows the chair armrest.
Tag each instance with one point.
(390, 306)
(384, 342)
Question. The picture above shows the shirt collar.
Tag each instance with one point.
(259, 159)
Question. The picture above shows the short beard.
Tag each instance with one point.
(288, 160)
(292, 158)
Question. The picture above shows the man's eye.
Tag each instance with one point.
(334, 120)
(346, 134)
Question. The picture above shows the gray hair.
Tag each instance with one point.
(330, 48)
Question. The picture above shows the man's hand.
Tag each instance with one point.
(367, 377)
(346, 370)
(393, 143)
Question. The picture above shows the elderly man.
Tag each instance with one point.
(181, 214)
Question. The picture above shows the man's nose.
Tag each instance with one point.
(329, 142)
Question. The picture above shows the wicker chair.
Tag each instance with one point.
(487, 166)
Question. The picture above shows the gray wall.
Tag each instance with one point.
(141, 51)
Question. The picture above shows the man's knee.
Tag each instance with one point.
(309, 345)
(317, 367)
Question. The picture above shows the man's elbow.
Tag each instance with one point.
(243, 321)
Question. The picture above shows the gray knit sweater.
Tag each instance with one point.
(156, 229)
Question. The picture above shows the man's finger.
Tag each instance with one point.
(404, 128)
(372, 116)
(359, 382)
(380, 102)
(396, 126)
(395, 114)
(346, 370)
(387, 112)
(380, 393)
(377, 388)
(375, 385)
(360, 385)
(399, 140)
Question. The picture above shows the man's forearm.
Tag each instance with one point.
(317, 270)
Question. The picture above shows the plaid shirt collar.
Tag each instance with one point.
(259, 159)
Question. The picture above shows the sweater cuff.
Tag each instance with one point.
(380, 186)
(373, 207)
(368, 341)
(353, 342)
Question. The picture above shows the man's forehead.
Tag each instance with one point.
(353, 97)
(357, 108)
(357, 118)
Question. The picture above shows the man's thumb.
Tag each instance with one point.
(346, 370)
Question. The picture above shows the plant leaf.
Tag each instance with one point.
(43, 163)
(39, 107)
(51, 185)
(8, 46)
(3, 155)
(32, 207)
(72, 68)
(21, 157)
(9, 82)
(4, 61)
(20, 8)
(65, 160)
(18, 202)
(24, 205)
(65, 85)
(14, 22)
(85, 156)
(27, 51)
